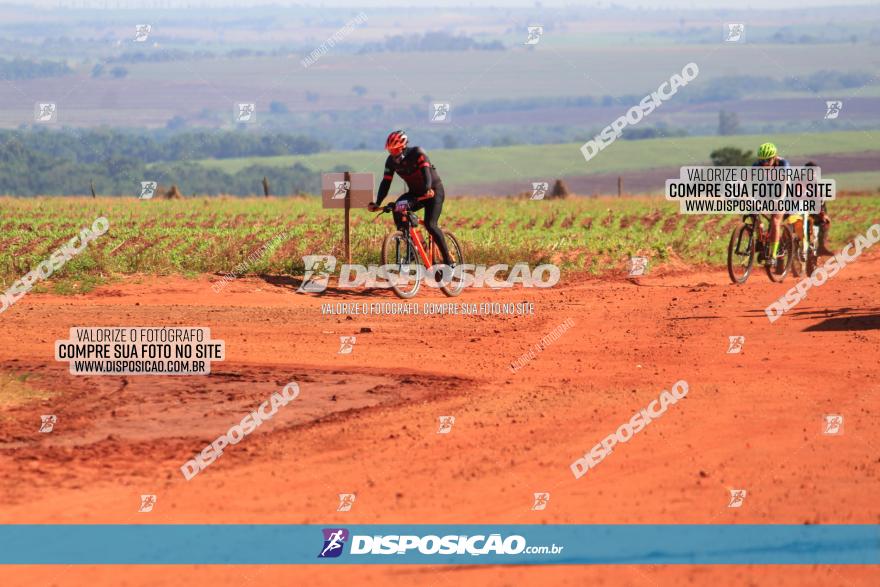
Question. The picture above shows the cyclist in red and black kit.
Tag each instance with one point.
(424, 188)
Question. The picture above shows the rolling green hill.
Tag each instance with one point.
(532, 162)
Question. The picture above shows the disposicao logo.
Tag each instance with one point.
(334, 540)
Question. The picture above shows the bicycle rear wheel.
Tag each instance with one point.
(812, 260)
(456, 283)
(399, 253)
(741, 253)
(778, 268)
(797, 260)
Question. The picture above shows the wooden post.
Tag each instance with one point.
(265, 186)
(619, 186)
(346, 236)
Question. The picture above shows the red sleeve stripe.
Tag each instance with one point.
(425, 164)
(388, 176)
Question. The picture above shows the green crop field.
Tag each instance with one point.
(216, 235)
(868, 181)
(532, 162)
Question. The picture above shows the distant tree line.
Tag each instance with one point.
(826, 33)
(116, 72)
(158, 56)
(732, 156)
(95, 145)
(431, 41)
(712, 90)
(739, 86)
(62, 162)
(25, 172)
(17, 68)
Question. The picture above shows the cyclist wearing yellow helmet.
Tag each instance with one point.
(768, 156)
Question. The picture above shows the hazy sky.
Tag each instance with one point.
(693, 4)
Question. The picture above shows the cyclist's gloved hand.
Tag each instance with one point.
(372, 207)
(401, 207)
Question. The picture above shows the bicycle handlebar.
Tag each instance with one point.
(384, 210)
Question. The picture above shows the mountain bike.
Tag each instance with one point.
(751, 239)
(407, 251)
(806, 244)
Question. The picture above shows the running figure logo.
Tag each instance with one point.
(45, 112)
(340, 189)
(334, 540)
(539, 190)
(735, 344)
(541, 500)
(737, 497)
(346, 345)
(735, 32)
(446, 423)
(440, 111)
(246, 112)
(638, 266)
(832, 425)
(346, 500)
(832, 109)
(535, 34)
(141, 32)
(148, 190)
(318, 270)
(47, 423)
(147, 503)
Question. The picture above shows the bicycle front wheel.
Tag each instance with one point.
(400, 256)
(456, 283)
(741, 253)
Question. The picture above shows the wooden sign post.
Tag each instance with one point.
(346, 190)
(346, 235)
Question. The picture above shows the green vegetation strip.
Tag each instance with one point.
(528, 163)
(216, 235)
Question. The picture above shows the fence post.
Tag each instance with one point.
(347, 240)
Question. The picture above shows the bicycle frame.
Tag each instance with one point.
(416, 237)
(758, 234)
(417, 246)
(761, 233)
(412, 223)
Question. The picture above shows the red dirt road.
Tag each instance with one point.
(366, 422)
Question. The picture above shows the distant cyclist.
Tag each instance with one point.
(769, 157)
(424, 188)
(824, 223)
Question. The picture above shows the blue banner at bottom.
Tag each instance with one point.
(485, 544)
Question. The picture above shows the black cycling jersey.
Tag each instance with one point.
(780, 162)
(414, 167)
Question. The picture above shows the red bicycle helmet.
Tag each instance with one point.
(396, 142)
